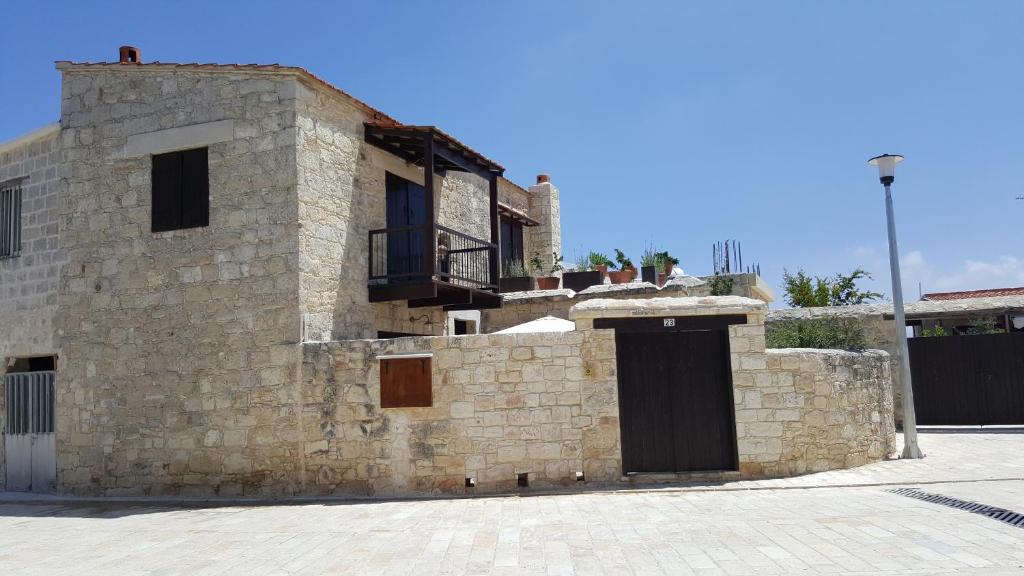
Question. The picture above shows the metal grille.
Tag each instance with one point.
(10, 222)
(1001, 514)
(29, 399)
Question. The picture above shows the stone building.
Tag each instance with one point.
(185, 226)
(209, 280)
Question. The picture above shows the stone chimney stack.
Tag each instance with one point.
(129, 55)
(544, 207)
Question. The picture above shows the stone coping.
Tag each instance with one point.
(627, 288)
(538, 295)
(667, 306)
(677, 284)
(921, 309)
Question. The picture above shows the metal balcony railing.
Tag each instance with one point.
(398, 255)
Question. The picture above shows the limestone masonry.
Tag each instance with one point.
(243, 357)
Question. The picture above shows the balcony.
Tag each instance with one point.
(425, 263)
(432, 266)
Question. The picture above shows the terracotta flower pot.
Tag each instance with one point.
(631, 272)
(603, 269)
(668, 266)
(548, 282)
(619, 276)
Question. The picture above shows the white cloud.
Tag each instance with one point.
(1002, 272)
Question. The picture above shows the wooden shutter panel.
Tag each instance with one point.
(166, 190)
(195, 188)
(405, 383)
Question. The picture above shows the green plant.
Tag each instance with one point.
(663, 257)
(624, 263)
(536, 264)
(581, 263)
(721, 285)
(933, 332)
(514, 269)
(984, 325)
(596, 259)
(803, 291)
(649, 257)
(556, 263)
(828, 332)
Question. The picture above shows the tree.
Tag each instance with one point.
(803, 291)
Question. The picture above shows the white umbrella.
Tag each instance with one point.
(545, 324)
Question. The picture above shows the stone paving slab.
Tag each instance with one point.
(786, 528)
(826, 531)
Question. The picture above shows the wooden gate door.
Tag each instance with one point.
(675, 401)
(968, 380)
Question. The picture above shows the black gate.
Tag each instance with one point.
(675, 393)
(968, 380)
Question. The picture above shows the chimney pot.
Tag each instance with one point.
(542, 178)
(129, 55)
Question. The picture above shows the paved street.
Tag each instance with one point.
(838, 522)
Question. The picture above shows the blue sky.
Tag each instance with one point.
(673, 123)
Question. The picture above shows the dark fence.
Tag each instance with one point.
(968, 380)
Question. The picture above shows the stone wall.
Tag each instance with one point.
(29, 282)
(544, 404)
(812, 410)
(796, 411)
(175, 344)
(880, 331)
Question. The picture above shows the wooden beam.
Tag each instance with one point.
(401, 291)
(429, 236)
(495, 254)
(462, 161)
(444, 297)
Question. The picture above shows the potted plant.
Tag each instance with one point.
(586, 272)
(600, 262)
(649, 264)
(514, 278)
(626, 271)
(667, 262)
(548, 281)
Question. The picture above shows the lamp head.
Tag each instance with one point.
(886, 166)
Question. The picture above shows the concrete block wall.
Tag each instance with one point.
(29, 282)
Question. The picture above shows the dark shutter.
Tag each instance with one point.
(195, 189)
(181, 190)
(511, 242)
(405, 383)
(166, 192)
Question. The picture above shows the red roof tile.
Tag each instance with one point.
(991, 292)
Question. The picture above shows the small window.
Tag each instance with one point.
(10, 221)
(405, 382)
(511, 235)
(181, 190)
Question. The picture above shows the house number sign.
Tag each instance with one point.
(669, 322)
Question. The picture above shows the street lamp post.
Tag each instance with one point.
(886, 164)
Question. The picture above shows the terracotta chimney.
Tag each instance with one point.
(130, 55)
(542, 178)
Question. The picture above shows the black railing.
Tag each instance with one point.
(397, 255)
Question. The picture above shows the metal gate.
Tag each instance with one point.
(676, 407)
(29, 443)
(968, 380)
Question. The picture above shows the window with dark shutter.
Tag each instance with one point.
(10, 220)
(405, 382)
(181, 190)
(511, 235)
